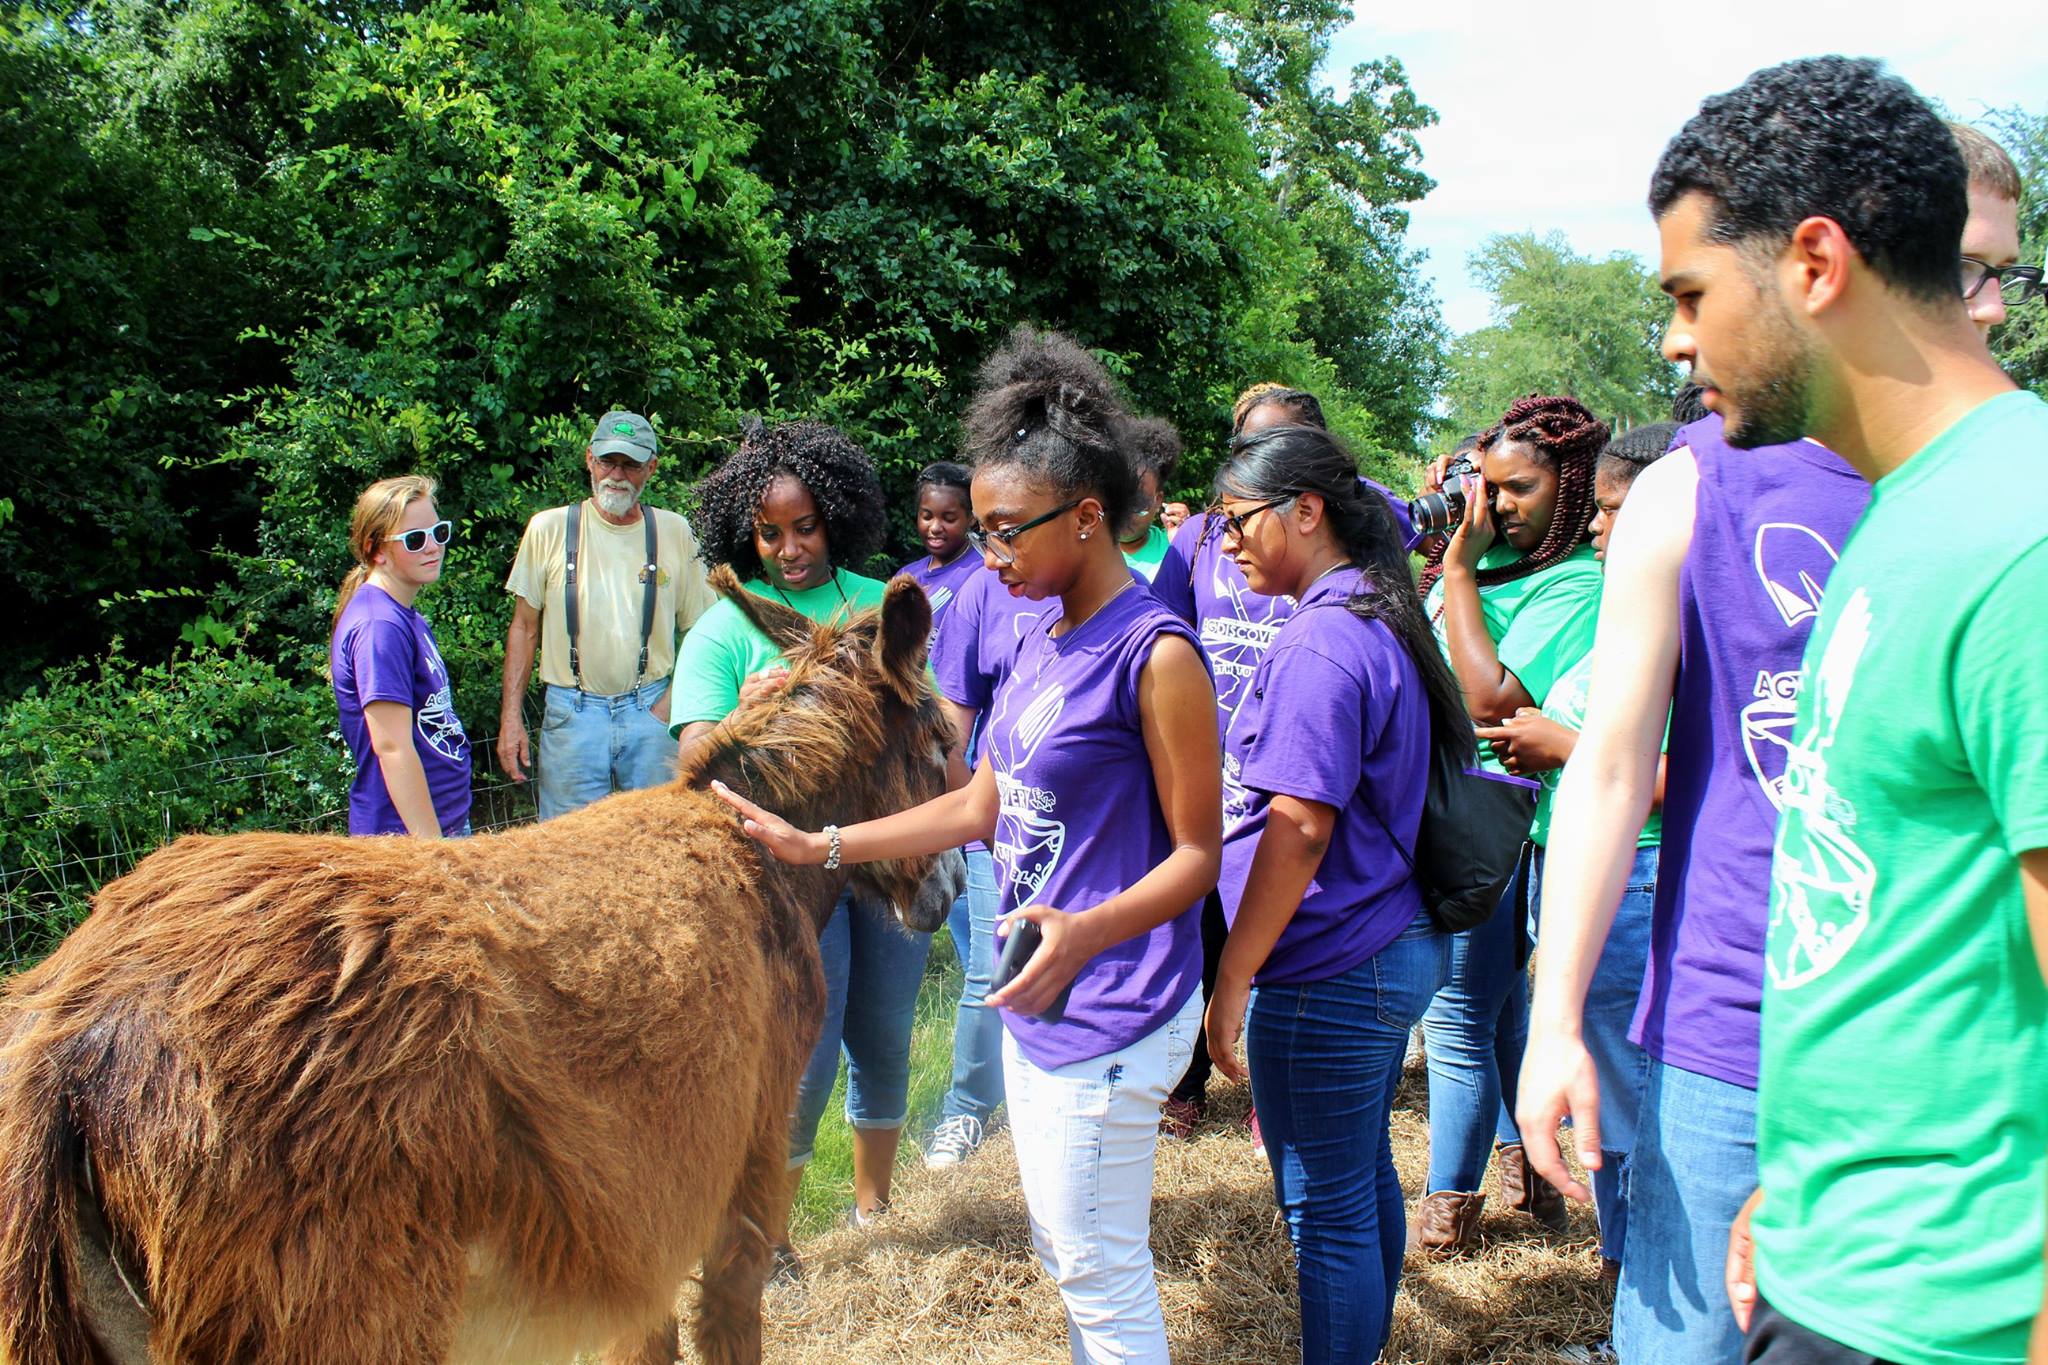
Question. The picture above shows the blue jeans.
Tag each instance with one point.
(1475, 1031)
(1325, 1058)
(1693, 1166)
(873, 966)
(977, 1088)
(1620, 1065)
(592, 746)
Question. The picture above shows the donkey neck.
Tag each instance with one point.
(809, 795)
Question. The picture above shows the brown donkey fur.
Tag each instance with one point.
(300, 1099)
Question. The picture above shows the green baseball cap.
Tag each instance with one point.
(623, 433)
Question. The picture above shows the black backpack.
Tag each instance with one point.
(1474, 824)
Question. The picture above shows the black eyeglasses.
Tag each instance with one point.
(2015, 283)
(416, 540)
(997, 543)
(1234, 522)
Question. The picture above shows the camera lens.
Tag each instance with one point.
(1436, 513)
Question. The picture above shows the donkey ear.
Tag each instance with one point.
(906, 628)
(786, 629)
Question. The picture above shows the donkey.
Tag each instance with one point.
(299, 1099)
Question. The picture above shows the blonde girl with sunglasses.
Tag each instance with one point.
(390, 685)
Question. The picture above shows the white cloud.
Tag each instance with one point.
(1553, 116)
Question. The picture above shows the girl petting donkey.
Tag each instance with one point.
(1098, 787)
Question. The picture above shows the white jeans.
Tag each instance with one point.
(1085, 1136)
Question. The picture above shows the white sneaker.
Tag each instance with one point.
(1600, 1353)
(953, 1142)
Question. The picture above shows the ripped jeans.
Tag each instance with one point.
(1085, 1136)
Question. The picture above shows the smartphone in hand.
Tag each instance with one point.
(1022, 941)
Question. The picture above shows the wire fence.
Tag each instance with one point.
(88, 836)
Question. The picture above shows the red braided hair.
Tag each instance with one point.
(1560, 432)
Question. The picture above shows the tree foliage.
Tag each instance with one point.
(1338, 171)
(1562, 323)
(264, 251)
(2021, 345)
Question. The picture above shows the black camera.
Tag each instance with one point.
(1438, 513)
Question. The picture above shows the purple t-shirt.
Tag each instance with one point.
(1398, 505)
(1767, 526)
(1080, 820)
(1336, 713)
(1202, 586)
(941, 584)
(383, 651)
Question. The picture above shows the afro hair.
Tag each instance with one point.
(1154, 447)
(837, 473)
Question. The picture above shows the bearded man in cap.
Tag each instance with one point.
(605, 587)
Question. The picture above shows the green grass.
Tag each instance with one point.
(827, 1190)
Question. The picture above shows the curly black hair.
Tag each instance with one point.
(1686, 407)
(1043, 403)
(1635, 450)
(1154, 447)
(1831, 137)
(840, 477)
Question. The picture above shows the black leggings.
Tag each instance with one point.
(1215, 929)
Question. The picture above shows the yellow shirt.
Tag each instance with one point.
(609, 574)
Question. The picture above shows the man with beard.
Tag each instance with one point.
(605, 587)
(1716, 578)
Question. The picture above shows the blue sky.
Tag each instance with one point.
(1552, 116)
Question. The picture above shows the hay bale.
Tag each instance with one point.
(949, 1275)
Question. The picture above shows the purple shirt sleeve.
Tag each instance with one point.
(1297, 758)
(1173, 587)
(382, 656)
(956, 653)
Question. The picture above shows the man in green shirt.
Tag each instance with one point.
(1810, 223)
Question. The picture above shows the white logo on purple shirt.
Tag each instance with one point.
(1792, 563)
(1028, 842)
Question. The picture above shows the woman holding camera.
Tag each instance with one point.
(1513, 597)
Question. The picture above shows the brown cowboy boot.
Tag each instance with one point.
(1522, 1188)
(1447, 1222)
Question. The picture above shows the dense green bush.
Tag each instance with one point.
(112, 757)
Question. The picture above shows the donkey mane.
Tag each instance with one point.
(825, 719)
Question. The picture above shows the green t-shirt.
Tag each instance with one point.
(1145, 559)
(1540, 625)
(1566, 705)
(1902, 1123)
(724, 647)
